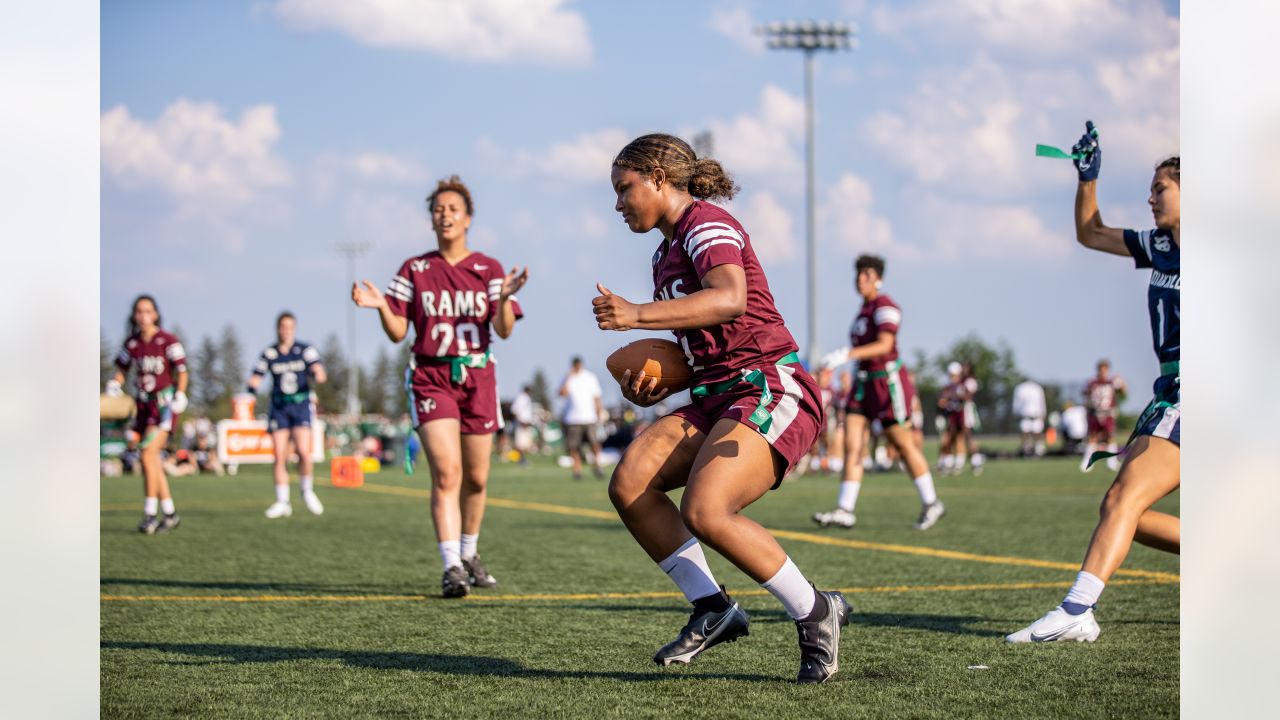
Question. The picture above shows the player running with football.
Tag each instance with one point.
(293, 366)
(451, 296)
(881, 391)
(1101, 395)
(1150, 469)
(754, 413)
(160, 391)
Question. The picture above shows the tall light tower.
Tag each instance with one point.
(352, 250)
(810, 36)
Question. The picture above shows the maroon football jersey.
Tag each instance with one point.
(707, 236)
(1100, 396)
(158, 361)
(449, 306)
(879, 315)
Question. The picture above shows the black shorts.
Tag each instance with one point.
(575, 435)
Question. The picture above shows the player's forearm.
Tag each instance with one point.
(393, 325)
(870, 350)
(504, 321)
(318, 373)
(705, 308)
(183, 377)
(255, 381)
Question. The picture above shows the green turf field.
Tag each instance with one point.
(234, 615)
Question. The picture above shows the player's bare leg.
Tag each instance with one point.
(306, 481)
(1150, 472)
(655, 463)
(155, 484)
(931, 508)
(735, 467)
(280, 473)
(476, 459)
(1160, 531)
(594, 443)
(440, 443)
(855, 434)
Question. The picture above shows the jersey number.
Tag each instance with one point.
(467, 335)
(289, 383)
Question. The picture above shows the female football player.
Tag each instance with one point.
(880, 392)
(160, 390)
(754, 412)
(1150, 468)
(293, 367)
(451, 296)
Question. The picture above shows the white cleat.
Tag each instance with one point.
(1059, 626)
(838, 517)
(313, 503)
(279, 510)
(930, 515)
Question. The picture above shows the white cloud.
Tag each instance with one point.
(769, 225)
(736, 24)
(997, 231)
(846, 216)
(490, 31)
(365, 167)
(194, 153)
(585, 158)
(763, 142)
(390, 221)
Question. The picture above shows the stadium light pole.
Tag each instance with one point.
(352, 250)
(810, 36)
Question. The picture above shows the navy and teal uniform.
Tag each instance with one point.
(290, 384)
(1156, 249)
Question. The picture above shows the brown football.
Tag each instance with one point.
(658, 358)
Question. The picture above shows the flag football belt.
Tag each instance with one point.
(458, 364)
(164, 396)
(760, 417)
(1154, 407)
(888, 370)
(294, 398)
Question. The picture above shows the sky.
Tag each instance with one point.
(242, 142)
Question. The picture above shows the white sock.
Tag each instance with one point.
(306, 483)
(945, 462)
(451, 553)
(977, 460)
(924, 486)
(836, 464)
(848, 498)
(957, 461)
(149, 505)
(1086, 590)
(791, 588)
(166, 506)
(469, 545)
(688, 567)
(282, 494)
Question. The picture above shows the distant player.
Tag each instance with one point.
(972, 421)
(293, 367)
(754, 413)
(880, 392)
(450, 297)
(582, 417)
(1029, 407)
(1102, 394)
(1150, 470)
(160, 391)
(952, 402)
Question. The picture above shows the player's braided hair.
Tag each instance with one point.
(453, 183)
(1173, 165)
(133, 326)
(700, 177)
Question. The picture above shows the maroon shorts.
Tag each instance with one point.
(1102, 425)
(154, 413)
(956, 422)
(796, 409)
(473, 402)
(887, 399)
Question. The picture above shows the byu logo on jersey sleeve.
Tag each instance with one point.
(426, 406)
(1162, 243)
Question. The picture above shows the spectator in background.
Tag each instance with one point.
(1075, 426)
(1029, 406)
(522, 421)
(583, 412)
(1102, 394)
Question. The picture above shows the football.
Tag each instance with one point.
(658, 358)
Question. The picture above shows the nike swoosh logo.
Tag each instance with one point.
(709, 629)
(482, 267)
(488, 424)
(1049, 637)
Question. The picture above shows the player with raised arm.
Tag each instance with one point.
(1150, 469)
(1101, 395)
(293, 367)
(881, 392)
(160, 391)
(754, 412)
(451, 297)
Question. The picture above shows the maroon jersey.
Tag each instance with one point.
(1100, 396)
(449, 306)
(707, 236)
(952, 397)
(879, 315)
(158, 360)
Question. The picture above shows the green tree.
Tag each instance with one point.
(377, 389)
(997, 374)
(231, 375)
(333, 394)
(206, 388)
(538, 390)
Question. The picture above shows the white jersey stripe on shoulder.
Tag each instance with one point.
(888, 316)
(1144, 239)
(397, 280)
(695, 238)
(704, 246)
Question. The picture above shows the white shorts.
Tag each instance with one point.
(1031, 425)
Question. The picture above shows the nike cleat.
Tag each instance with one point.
(704, 630)
(313, 503)
(838, 517)
(279, 510)
(477, 574)
(168, 522)
(1059, 626)
(930, 515)
(820, 639)
(148, 525)
(455, 583)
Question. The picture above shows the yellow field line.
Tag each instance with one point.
(571, 597)
(800, 536)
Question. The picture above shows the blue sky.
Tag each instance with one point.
(242, 141)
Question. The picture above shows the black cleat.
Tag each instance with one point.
(704, 630)
(477, 574)
(455, 583)
(148, 525)
(820, 639)
(168, 522)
